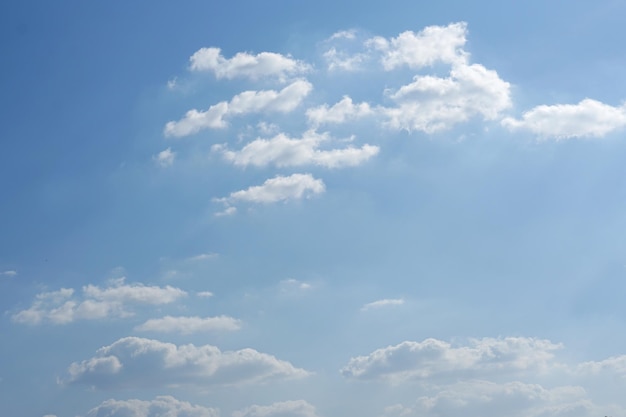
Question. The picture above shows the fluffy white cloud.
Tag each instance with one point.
(340, 60)
(162, 406)
(431, 45)
(138, 363)
(434, 358)
(340, 112)
(283, 151)
(383, 303)
(432, 103)
(188, 325)
(615, 365)
(205, 294)
(282, 101)
(246, 65)
(299, 408)
(279, 188)
(515, 399)
(165, 158)
(589, 118)
(61, 307)
(9, 273)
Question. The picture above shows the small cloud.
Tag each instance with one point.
(171, 84)
(343, 34)
(204, 294)
(279, 188)
(165, 158)
(293, 285)
(203, 257)
(9, 273)
(383, 303)
(228, 211)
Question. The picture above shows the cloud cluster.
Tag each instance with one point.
(62, 306)
(283, 151)
(447, 89)
(283, 101)
(434, 358)
(298, 408)
(133, 362)
(589, 118)
(162, 406)
(245, 65)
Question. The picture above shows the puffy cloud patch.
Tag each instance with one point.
(283, 151)
(340, 112)
(165, 158)
(62, 307)
(589, 118)
(282, 101)
(279, 188)
(299, 408)
(429, 46)
(9, 273)
(188, 325)
(139, 363)
(245, 65)
(161, 406)
(432, 104)
(435, 358)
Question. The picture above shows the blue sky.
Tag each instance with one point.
(312, 209)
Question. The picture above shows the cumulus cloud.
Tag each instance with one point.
(299, 408)
(283, 151)
(245, 65)
(9, 273)
(589, 118)
(188, 325)
(383, 303)
(431, 104)
(62, 306)
(279, 188)
(340, 112)
(344, 61)
(515, 399)
(615, 365)
(165, 158)
(283, 101)
(431, 45)
(435, 358)
(140, 363)
(291, 286)
(161, 406)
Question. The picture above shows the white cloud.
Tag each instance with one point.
(279, 188)
(9, 273)
(431, 45)
(140, 363)
(188, 325)
(165, 158)
(340, 112)
(283, 151)
(283, 101)
(341, 60)
(205, 294)
(589, 118)
(161, 406)
(245, 65)
(435, 358)
(383, 303)
(514, 399)
(299, 408)
(432, 103)
(228, 211)
(615, 365)
(344, 34)
(61, 307)
(204, 257)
